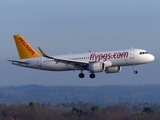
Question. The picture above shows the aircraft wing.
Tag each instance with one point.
(19, 61)
(66, 61)
(71, 62)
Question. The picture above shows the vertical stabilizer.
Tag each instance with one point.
(25, 50)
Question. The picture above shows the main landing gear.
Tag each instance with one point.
(135, 70)
(92, 75)
(81, 75)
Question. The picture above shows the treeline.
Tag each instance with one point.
(102, 95)
(83, 111)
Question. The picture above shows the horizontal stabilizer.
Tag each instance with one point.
(24, 62)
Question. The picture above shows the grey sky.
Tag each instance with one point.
(63, 26)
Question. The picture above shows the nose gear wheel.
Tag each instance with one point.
(135, 70)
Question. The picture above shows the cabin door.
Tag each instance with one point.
(39, 60)
(132, 54)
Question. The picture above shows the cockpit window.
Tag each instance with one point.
(143, 53)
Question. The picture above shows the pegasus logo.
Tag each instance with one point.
(26, 46)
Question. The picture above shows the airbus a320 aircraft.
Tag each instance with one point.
(94, 62)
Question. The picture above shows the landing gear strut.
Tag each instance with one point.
(135, 70)
(81, 75)
(92, 75)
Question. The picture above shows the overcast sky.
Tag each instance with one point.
(63, 26)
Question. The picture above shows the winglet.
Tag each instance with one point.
(43, 54)
(41, 51)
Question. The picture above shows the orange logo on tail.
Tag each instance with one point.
(27, 46)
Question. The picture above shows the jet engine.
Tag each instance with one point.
(96, 67)
(113, 69)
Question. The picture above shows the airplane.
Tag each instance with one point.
(94, 62)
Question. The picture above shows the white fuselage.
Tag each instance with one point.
(116, 58)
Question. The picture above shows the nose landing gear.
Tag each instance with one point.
(135, 70)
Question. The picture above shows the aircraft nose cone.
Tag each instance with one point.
(151, 57)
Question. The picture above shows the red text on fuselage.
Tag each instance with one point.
(106, 56)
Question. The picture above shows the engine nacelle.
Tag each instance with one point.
(113, 69)
(96, 67)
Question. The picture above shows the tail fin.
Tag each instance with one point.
(25, 50)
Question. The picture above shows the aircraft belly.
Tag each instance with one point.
(56, 67)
